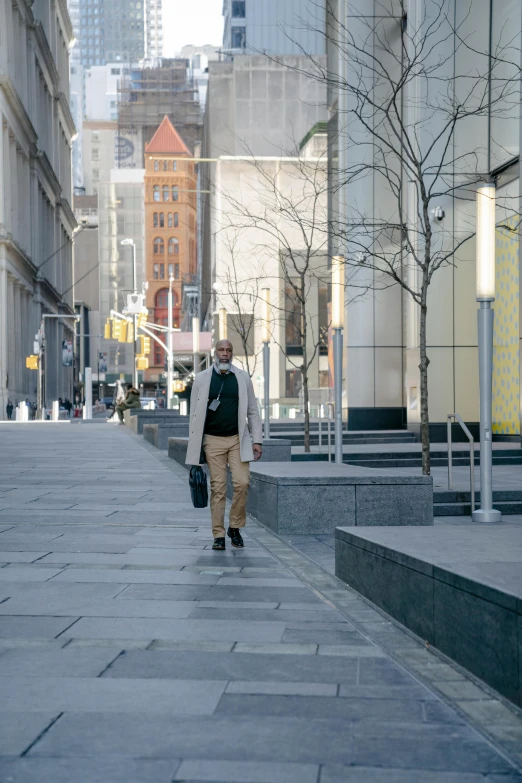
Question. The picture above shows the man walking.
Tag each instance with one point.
(225, 424)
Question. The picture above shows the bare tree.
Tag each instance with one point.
(404, 117)
(281, 214)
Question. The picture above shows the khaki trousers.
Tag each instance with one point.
(219, 452)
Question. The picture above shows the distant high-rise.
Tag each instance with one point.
(274, 27)
(153, 28)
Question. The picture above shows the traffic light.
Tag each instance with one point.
(122, 337)
(116, 329)
(146, 345)
(142, 363)
(31, 362)
(107, 330)
(178, 386)
(130, 332)
(142, 318)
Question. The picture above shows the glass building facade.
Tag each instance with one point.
(110, 31)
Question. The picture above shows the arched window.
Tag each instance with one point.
(156, 192)
(165, 192)
(162, 299)
(162, 220)
(165, 165)
(169, 220)
(173, 246)
(156, 165)
(155, 220)
(159, 246)
(175, 193)
(176, 220)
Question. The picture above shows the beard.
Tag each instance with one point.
(223, 366)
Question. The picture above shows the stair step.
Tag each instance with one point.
(508, 508)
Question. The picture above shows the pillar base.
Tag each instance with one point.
(486, 515)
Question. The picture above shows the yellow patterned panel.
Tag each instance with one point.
(506, 361)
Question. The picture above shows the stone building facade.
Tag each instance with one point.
(36, 219)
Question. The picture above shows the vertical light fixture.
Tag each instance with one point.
(337, 326)
(223, 327)
(266, 317)
(169, 346)
(195, 343)
(485, 253)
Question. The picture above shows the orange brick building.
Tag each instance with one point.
(170, 230)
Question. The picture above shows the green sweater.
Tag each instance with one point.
(132, 400)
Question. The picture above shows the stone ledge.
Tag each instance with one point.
(459, 588)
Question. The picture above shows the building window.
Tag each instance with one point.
(156, 192)
(95, 174)
(155, 272)
(238, 9)
(115, 71)
(238, 37)
(162, 271)
(162, 298)
(159, 246)
(293, 383)
(165, 192)
(155, 220)
(156, 165)
(173, 246)
(162, 220)
(175, 193)
(174, 165)
(169, 220)
(176, 271)
(293, 320)
(165, 165)
(95, 153)
(176, 220)
(171, 270)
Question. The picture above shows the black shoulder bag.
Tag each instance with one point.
(198, 487)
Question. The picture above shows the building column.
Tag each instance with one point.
(4, 392)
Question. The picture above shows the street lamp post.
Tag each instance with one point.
(126, 243)
(337, 326)
(223, 330)
(265, 293)
(485, 297)
(169, 346)
(195, 344)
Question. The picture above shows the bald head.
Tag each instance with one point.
(223, 355)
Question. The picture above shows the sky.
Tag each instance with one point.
(191, 22)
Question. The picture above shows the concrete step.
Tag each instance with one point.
(507, 508)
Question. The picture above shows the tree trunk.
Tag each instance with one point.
(304, 375)
(423, 367)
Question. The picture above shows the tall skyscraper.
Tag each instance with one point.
(153, 28)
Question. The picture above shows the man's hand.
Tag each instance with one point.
(258, 450)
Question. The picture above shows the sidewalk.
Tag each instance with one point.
(130, 652)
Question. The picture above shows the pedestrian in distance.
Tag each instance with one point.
(225, 426)
(132, 400)
(117, 398)
(9, 410)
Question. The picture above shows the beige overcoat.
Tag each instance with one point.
(249, 423)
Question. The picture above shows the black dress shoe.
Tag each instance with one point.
(235, 536)
(219, 543)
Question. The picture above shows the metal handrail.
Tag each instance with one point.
(331, 416)
(468, 434)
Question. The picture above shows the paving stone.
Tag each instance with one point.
(43, 627)
(282, 688)
(107, 608)
(330, 774)
(18, 729)
(128, 576)
(351, 650)
(236, 666)
(17, 573)
(55, 662)
(341, 636)
(237, 771)
(178, 630)
(320, 708)
(21, 557)
(106, 770)
(79, 694)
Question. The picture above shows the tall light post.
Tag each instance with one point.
(337, 326)
(223, 326)
(485, 297)
(126, 243)
(169, 346)
(265, 294)
(195, 343)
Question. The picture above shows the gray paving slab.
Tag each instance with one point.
(95, 770)
(173, 645)
(19, 729)
(88, 694)
(177, 630)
